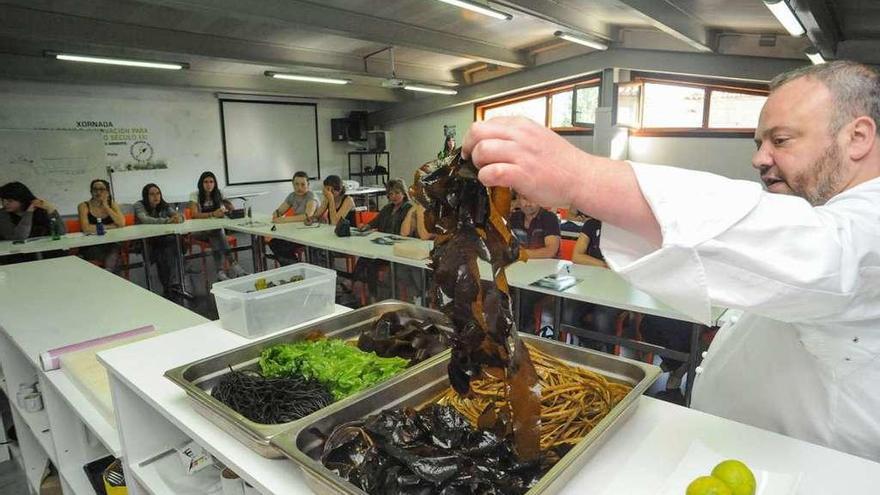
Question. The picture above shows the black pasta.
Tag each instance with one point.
(270, 400)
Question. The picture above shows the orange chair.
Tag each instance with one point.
(566, 249)
(125, 248)
(629, 325)
(205, 247)
(364, 217)
(72, 225)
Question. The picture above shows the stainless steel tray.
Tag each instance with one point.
(199, 377)
(304, 443)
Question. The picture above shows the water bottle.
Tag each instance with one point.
(99, 227)
(54, 229)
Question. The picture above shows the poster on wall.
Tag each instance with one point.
(127, 148)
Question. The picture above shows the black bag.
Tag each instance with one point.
(343, 228)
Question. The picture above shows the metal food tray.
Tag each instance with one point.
(198, 378)
(304, 443)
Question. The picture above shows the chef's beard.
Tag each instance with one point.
(828, 173)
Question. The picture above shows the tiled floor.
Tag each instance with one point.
(12, 480)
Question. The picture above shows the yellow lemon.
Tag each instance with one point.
(737, 476)
(708, 485)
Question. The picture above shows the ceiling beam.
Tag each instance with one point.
(669, 18)
(821, 28)
(865, 51)
(22, 67)
(562, 16)
(315, 17)
(699, 64)
(117, 38)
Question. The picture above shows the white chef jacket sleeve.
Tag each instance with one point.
(728, 243)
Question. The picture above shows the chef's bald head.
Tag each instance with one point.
(854, 87)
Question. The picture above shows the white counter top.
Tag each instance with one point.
(141, 367)
(61, 301)
(636, 459)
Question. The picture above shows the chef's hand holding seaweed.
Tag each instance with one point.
(801, 258)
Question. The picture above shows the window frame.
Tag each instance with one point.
(708, 86)
(547, 92)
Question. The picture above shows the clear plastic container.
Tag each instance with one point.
(256, 313)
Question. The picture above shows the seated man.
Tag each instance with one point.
(536, 229)
(303, 203)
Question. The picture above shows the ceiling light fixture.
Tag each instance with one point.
(117, 61)
(581, 40)
(786, 16)
(813, 54)
(430, 89)
(315, 79)
(480, 9)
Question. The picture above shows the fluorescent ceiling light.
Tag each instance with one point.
(430, 89)
(813, 54)
(297, 77)
(480, 9)
(581, 40)
(786, 16)
(118, 61)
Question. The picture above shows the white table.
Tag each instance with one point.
(53, 303)
(140, 232)
(597, 285)
(154, 415)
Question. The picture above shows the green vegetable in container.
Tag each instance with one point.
(342, 368)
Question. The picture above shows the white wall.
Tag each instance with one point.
(730, 157)
(183, 128)
(418, 140)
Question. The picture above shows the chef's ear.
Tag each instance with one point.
(862, 137)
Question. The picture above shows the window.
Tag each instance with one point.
(535, 109)
(689, 106)
(734, 110)
(667, 105)
(569, 108)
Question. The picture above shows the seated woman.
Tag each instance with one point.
(301, 203)
(392, 215)
(208, 202)
(24, 215)
(101, 208)
(152, 209)
(390, 221)
(337, 205)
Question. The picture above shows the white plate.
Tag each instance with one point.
(699, 461)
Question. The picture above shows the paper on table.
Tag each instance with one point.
(699, 461)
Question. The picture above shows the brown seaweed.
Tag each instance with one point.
(408, 338)
(470, 224)
(434, 451)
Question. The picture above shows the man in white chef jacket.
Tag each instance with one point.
(801, 257)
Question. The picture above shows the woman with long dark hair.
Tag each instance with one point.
(208, 202)
(152, 209)
(101, 206)
(337, 205)
(24, 215)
